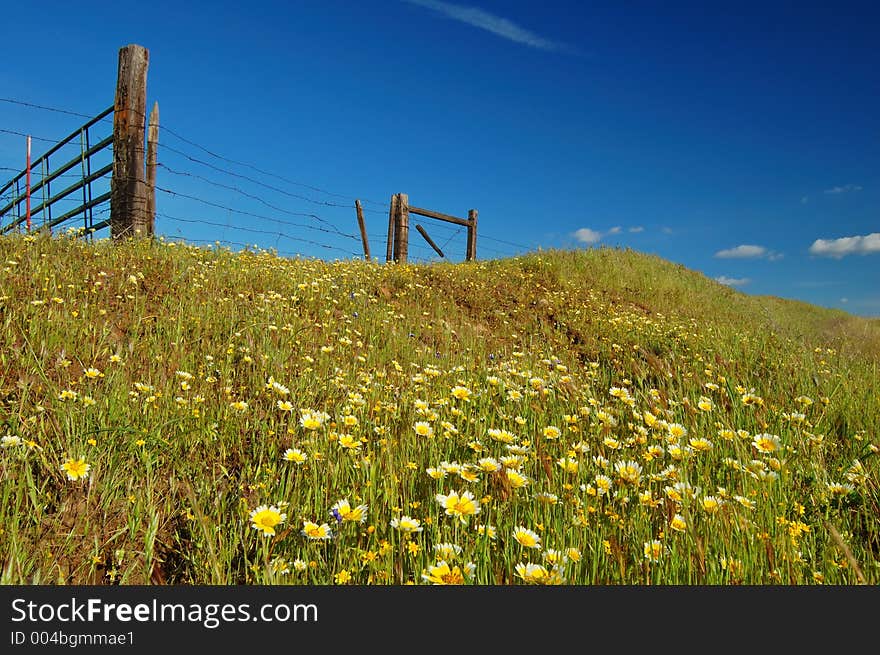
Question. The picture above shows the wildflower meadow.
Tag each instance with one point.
(179, 415)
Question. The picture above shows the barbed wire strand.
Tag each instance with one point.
(255, 215)
(175, 134)
(245, 177)
(258, 199)
(178, 136)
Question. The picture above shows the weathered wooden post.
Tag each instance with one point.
(128, 202)
(401, 232)
(152, 161)
(471, 254)
(392, 223)
(363, 227)
(429, 240)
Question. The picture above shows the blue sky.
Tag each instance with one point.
(739, 140)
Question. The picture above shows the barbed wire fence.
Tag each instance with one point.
(205, 197)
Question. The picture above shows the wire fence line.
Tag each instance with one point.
(167, 130)
(249, 179)
(318, 223)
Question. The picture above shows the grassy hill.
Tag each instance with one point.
(181, 415)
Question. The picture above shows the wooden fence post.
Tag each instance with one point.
(128, 201)
(471, 254)
(152, 160)
(360, 215)
(429, 240)
(392, 223)
(401, 233)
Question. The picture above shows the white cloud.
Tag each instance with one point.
(742, 252)
(636, 229)
(846, 188)
(588, 236)
(666, 230)
(748, 251)
(805, 200)
(837, 248)
(497, 25)
(732, 281)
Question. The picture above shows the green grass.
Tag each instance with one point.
(185, 435)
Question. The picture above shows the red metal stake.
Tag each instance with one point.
(28, 183)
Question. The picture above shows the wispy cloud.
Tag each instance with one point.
(846, 188)
(747, 251)
(636, 229)
(497, 25)
(590, 236)
(837, 248)
(587, 236)
(732, 281)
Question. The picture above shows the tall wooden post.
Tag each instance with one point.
(471, 254)
(401, 232)
(363, 227)
(128, 202)
(152, 161)
(392, 222)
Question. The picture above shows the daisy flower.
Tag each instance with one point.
(630, 472)
(423, 429)
(406, 524)
(442, 574)
(487, 530)
(489, 464)
(76, 469)
(295, 455)
(766, 443)
(265, 518)
(316, 532)
(711, 504)
(700, 444)
(461, 393)
(653, 550)
(537, 574)
(517, 480)
(459, 504)
(568, 464)
(312, 420)
(527, 538)
(447, 551)
(343, 511)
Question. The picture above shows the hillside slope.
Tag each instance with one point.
(175, 414)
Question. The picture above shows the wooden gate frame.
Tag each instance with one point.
(398, 228)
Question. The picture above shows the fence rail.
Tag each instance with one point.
(398, 229)
(129, 205)
(48, 175)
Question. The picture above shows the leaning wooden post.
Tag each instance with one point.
(472, 236)
(360, 214)
(392, 218)
(152, 160)
(401, 233)
(429, 240)
(127, 187)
